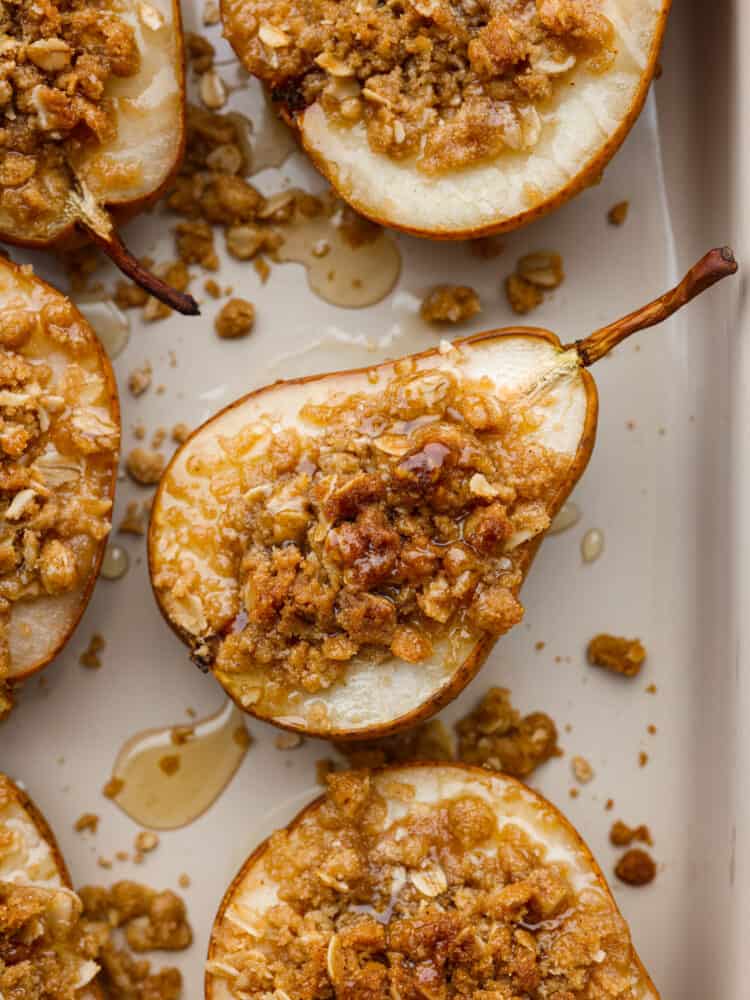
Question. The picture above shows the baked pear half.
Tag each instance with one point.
(439, 880)
(59, 444)
(454, 120)
(342, 551)
(41, 951)
(92, 109)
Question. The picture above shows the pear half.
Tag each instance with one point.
(196, 582)
(405, 791)
(574, 130)
(103, 184)
(31, 863)
(70, 459)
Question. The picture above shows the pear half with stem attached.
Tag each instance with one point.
(59, 446)
(454, 120)
(43, 910)
(342, 551)
(92, 124)
(423, 879)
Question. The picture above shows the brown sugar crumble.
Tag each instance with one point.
(90, 656)
(236, 318)
(446, 86)
(399, 526)
(443, 899)
(450, 304)
(139, 379)
(496, 736)
(642, 759)
(621, 656)
(535, 274)
(146, 841)
(582, 770)
(618, 213)
(86, 822)
(180, 433)
(622, 835)
(145, 466)
(134, 520)
(636, 867)
(113, 788)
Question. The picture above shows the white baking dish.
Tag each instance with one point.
(669, 495)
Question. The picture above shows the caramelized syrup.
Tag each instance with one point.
(170, 776)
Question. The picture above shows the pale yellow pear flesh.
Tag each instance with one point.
(40, 626)
(254, 890)
(33, 859)
(370, 698)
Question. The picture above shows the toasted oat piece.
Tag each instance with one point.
(615, 653)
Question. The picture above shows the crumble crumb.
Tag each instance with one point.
(170, 764)
(104, 863)
(450, 304)
(146, 841)
(539, 646)
(651, 729)
(636, 867)
(144, 466)
(122, 856)
(212, 287)
(180, 433)
(609, 805)
(618, 213)
(139, 379)
(113, 788)
(88, 822)
(288, 741)
(236, 318)
(90, 656)
(650, 689)
(522, 295)
(158, 437)
(573, 792)
(130, 296)
(622, 835)
(184, 881)
(133, 522)
(582, 770)
(497, 737)
(615, 653)
(642, 758)
(535, 274)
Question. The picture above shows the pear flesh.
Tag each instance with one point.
(255, 890)
(40, 625)
(578, 129)
(30, 860)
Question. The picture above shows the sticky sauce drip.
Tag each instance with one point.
(168, 777)
(350, 262)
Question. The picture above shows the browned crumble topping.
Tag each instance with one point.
(389, 531)
(134, 520)
(497, 737)
(622, 835)
(450, 304)
(535, 274)
(636, 867)
(90, 656)
(582, 770)
(146, 841)
(145, 466)
(88, 822)
(429, 741)
(113, 788)
(180, 433)
(621, 656)
(522, 295)
(130, 296)
(57, 58)
(139, 379)
(440, 903)
(445, 85)
(236, 318)
(618, 213)
(212, 288)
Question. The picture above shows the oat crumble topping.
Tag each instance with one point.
(444, 85)
(441, 903)
(57, 58)
(236, 318)
(145, 466)
(392, 529)
(636, 867)
(622, 835)
(450, 304)
(621, 656)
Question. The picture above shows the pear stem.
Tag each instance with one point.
(131, 267)
(716, 264)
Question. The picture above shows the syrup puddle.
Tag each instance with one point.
(110, 324)
(350, 262)
(265, 140)
(170, 776)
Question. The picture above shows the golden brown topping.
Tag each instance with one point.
(140, 379)
(450, 304)
(235, 319)
(582, 770)
(622, 835)
(145, 466)
(496, 736)
(87, 822)
(636, 867)
(621, 656)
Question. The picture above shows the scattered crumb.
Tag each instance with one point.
(158, 437)
(636, 867)
(539, 646)
(288, 741)
(236, 318)
(144, 467)
(651, 729)
(139, 432)
(650, 689)
(130, 296)
(609, 805)
(617, 215)
(262, 268)
(583, 772)
(621, 656)
(180, 433)
(113, 788)
(170, 764)
(146, 841)
(90, 656)
(88, 822)
(535, 274)
(450, 304)
(104, 863)
(573, 792)
(630, 424)
(642, 759)
(522, 295)
(212, 288)
(622, 835)
(122, 856)
(133, 523)
(140, 379)
(184, 881)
